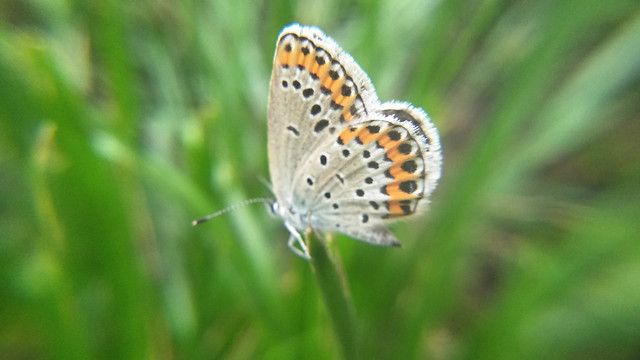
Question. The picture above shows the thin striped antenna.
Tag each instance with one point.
(231, 208)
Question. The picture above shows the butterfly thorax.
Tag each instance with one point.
(298, 217)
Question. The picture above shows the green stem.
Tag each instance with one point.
(327, 268)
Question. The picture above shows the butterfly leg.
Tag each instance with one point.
(296, 237)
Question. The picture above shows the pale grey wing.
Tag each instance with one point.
(371, 173)
(316, 90)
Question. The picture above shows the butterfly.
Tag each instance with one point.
(339, 159)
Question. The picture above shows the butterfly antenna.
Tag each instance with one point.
(231, 208)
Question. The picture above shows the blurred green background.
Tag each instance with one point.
(120, 122)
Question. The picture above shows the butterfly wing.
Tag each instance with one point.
(376, 171)
(311, 95)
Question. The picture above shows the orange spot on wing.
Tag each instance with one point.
(347, 135)
(283, 56)
(399, 208)
(309, 60)
(394, 208)
(336, 90)
(346, 114)
(320, 70)
(291, 56)
(400, 175)
(386, 142)
(327, 81)
(396, 156)
(313, 68)
(345, 101)
(393, 189)
(300, 59)
(366, 136)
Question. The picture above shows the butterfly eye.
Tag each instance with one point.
(274, 207)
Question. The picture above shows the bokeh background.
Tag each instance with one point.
(122, 121)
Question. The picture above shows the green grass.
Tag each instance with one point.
(120, 122)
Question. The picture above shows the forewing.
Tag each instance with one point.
(312, 97)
